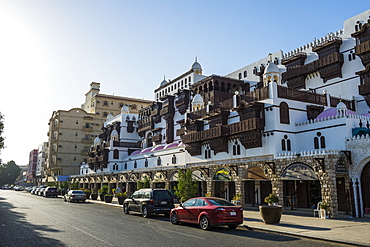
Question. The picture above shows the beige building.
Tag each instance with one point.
(72, 132)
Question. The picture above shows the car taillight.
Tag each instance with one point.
(220, 210)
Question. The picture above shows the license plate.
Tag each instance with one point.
(163, 203)
(232, 213)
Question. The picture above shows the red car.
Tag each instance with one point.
(208, 212)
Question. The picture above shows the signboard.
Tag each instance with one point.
(222, 174)
(298, 171)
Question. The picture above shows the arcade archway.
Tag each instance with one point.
(301, 186)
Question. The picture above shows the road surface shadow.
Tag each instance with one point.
(16, 231)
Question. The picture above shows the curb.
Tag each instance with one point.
(262, 229)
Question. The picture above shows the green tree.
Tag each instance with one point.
(186, 188)
(142, 185)
(1, 131)
(9, 173)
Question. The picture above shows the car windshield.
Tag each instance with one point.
(78, 192)
(220, 202)
(161, 194)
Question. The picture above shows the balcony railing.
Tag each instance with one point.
(246, 125)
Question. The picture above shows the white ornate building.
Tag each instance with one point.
(295, 124)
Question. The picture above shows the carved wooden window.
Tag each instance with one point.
(174, 159)
(116, 154)
(284, 113)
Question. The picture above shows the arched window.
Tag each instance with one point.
(236, 148)
(125, 165)
(322, 142)
(245, 73)
(159, 161)
(146, 163)
(174, 159)
(240, 76)
(284, 113)
(350, 57)
(135, 164)
(207, 152)
(116, 154)
(319, 141)
(285, 144)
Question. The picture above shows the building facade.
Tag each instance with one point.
(72, 132)
(32, 164)
(295, 124)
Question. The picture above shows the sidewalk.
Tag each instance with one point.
(354, 231)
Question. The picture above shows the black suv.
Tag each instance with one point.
(149, 201)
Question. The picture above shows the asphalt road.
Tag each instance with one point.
(29, 220)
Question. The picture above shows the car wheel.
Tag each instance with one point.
(125, 209)
(144, 211)
(204, 223)
(174, 219)
(234, 226)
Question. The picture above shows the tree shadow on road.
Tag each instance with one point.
(16, 231)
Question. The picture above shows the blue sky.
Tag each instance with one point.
(51, 50)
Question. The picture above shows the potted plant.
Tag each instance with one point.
(87, 192)
(94, 195)
(236, 199)
(108, 198)
(103, 191)
(271, 214)
(323, 207)
(121, 197)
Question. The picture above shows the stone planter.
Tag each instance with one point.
(121, 199)
(271, 214)
(94, 196)
(101, 197)
(108, 199)
(88, 195)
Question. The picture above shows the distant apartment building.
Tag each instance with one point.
(41, 161)
(32, 163)
(72, 132)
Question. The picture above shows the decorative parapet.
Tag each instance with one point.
(357, 141)
(339, 115)
(316, 152)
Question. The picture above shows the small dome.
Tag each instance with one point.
(198, 99)
(164, 82)
(196, 65)
(272, 68)
(125, 109)
(332, 112)
(97, 141)
(341, 105)
(114, 133)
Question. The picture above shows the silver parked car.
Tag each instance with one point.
(75, 196)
